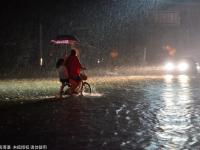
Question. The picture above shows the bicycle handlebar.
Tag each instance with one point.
(84, 68)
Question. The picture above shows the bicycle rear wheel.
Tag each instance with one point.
(86, 89)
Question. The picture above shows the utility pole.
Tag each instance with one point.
(41, 51)
(144, 56)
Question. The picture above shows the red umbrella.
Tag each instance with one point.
(64, 40)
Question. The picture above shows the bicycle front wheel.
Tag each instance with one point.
(86, 89)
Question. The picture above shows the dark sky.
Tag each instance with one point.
(87, 18)
(101, 25)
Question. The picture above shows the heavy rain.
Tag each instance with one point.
(139, 83)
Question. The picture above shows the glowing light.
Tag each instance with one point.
(41, 61)
(169, 66)
(183, 66)
(198, 66)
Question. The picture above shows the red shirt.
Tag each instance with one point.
(73, 66)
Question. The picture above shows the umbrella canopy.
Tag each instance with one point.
(64, 39)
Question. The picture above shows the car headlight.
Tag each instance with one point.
(183, 66)
(197, 66)
(169, 66)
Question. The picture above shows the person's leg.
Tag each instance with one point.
(77, 86)
(72, 85)
(61, 89)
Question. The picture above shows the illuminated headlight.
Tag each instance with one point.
(169, 66)
(198, 66)
(183, 66)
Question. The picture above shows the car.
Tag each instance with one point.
(181, 66)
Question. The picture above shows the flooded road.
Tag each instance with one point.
(122, 113)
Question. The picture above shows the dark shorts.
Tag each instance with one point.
(64, 81)
(77, 78)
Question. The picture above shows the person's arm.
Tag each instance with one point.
(84, 68)
(81, 66)
(66, 72)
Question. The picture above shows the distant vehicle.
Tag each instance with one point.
(182, 66)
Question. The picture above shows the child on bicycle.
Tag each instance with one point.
(63, 75)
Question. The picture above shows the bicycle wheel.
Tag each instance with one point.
(86, 89)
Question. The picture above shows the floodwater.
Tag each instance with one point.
(125, 113)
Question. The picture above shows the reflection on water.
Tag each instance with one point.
(121, 113)
(175, 117)
(168, 78)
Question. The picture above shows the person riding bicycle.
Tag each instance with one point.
(74, 67)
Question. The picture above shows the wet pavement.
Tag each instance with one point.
(123, 113)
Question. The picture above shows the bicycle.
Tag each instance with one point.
(84, 87)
